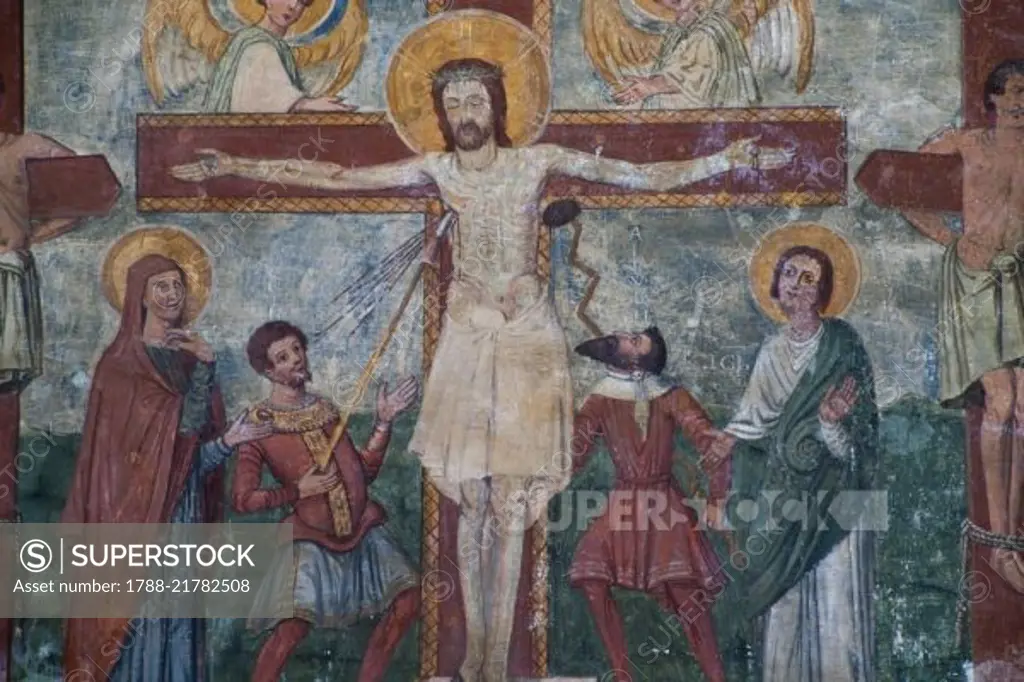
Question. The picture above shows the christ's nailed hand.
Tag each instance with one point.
(314, 483)
(746, 153)
(243, 430)
(211, 164)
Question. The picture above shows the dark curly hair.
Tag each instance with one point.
(267, 335)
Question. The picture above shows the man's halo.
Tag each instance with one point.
(169, 242)
(468, 34)
(845, 266)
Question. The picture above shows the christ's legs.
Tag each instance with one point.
(509, 531)
(472, 518)
(278, 647)
(692, 606)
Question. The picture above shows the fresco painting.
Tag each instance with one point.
(607, 340)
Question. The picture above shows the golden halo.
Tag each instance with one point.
(468, 34)
(170, 242)
(845, 266)
(251, 12)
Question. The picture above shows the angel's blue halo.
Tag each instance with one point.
(223, 11)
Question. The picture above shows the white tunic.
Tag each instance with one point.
(822, 630)
(262, 84)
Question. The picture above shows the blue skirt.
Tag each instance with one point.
(333, 589)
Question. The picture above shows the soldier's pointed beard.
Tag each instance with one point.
(605, 350)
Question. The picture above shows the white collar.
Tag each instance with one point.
(633, 386)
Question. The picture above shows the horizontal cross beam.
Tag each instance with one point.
(910, 180)
(71, 187)
(817, 176)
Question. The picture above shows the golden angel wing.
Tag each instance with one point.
(614, 46)
(779, 36)
(328, 65)
(181, 41)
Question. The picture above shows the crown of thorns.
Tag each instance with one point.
(467, 72)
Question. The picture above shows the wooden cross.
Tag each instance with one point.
(817, 177)
(993, 31)
(59, 188)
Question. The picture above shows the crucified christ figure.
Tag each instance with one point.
(981, 328)
(496, 422)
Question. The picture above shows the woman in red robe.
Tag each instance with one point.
(149, 454)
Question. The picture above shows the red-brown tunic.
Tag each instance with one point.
(133, 463)
(286, 455)
(628, 546)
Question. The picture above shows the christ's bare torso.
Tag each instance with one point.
(495, 246)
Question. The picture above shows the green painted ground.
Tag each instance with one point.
(916, 592)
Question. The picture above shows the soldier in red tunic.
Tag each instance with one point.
(647, 539)
(344, 564)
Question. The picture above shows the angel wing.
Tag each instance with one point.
(329, 65)
(615, 47)
(181, 42)
(183, 39)
(779, 35)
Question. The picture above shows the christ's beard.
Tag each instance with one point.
(470, 137)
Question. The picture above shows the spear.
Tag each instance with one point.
(443, 229)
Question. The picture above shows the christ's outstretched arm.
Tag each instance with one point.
(319, 174)
(664, 176)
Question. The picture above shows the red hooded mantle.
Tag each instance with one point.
(133, 464)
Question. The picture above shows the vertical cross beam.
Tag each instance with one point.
(11, 121)
(12, 83)
(993, 31)
(441, 649)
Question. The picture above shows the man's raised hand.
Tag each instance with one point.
(838, 401)
(190, 342)
(391, 404)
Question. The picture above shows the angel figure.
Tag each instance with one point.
(254, 56)
(697, 54)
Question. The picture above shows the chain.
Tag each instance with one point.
(971, 532)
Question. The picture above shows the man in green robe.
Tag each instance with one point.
(258, 72)
(804, 448)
